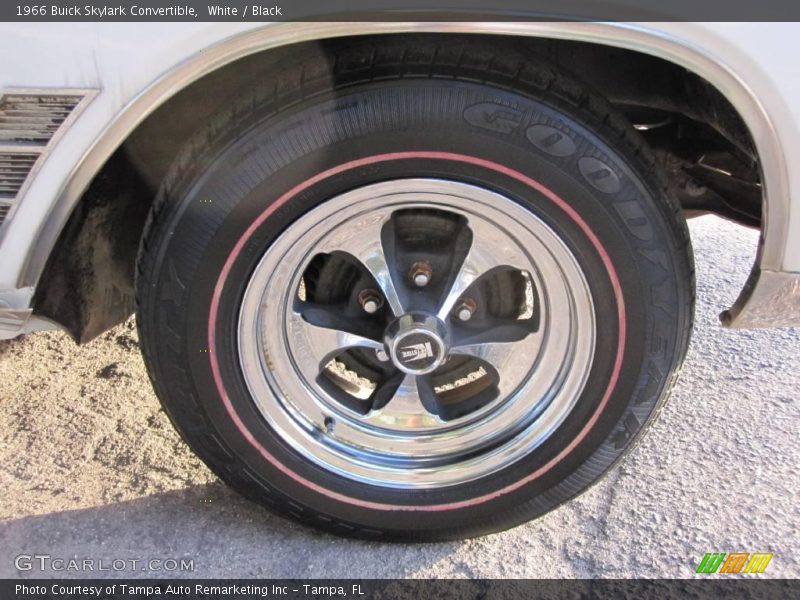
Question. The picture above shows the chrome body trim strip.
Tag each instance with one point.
(14, 311)
(771, 299)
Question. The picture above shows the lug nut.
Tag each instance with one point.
(370, 306)
(381, 355)
(421, 273)
(465, 309)
(370, 301)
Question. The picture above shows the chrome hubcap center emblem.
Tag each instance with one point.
(417, 343)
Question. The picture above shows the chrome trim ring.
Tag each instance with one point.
(404, 443)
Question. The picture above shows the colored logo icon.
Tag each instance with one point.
(734, 562)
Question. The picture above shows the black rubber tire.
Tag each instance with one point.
(416, 96)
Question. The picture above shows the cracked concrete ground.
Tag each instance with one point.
(90, 467)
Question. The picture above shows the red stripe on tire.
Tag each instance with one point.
(212, 322)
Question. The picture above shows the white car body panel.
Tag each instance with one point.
(135, 67)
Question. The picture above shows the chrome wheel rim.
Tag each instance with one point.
(465, 388)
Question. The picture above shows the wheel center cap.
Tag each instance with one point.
(417, 343)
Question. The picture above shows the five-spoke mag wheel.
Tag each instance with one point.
(416, 333)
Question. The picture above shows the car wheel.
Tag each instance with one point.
(414, 291)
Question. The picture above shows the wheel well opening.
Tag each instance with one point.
(698, 137)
